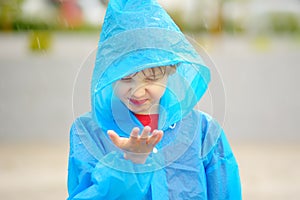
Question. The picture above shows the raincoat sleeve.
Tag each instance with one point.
(90, 179)
(222, 174)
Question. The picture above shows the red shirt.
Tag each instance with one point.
(148, 120)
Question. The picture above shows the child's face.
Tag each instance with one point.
(141, 91)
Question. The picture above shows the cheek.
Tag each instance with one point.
(120, 90)
(158, 91)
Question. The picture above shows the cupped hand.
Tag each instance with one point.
(137, 147)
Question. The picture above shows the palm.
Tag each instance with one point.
(137, 147)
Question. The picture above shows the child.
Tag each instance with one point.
(143, 139)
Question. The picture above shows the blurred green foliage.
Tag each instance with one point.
(284, 22)
(9, 12)
(235, 27)
(11, 19)
(23, 25)
(274, 22)
(178, 17)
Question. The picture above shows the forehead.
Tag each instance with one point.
(156, 71)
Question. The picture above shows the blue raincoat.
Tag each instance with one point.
(193, 160)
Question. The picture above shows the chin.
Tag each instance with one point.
(139, 111)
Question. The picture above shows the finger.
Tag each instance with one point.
(152, 138)
(145, 133)
(135, 133)
(115, 138)
(159, 135)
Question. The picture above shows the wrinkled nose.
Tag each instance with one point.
(138, 91)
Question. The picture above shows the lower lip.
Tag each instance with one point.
(137, 102)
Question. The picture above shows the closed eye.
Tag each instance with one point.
(152, 78)
(126, 79)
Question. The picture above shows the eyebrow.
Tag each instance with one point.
(129, 76)
(153, 73)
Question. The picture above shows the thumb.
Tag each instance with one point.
(114, 137)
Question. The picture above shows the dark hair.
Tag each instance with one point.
(154, 73)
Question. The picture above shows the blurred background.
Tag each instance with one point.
(47, 50)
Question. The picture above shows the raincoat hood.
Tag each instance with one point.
(137, 35)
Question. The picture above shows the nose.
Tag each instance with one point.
(138, 91)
